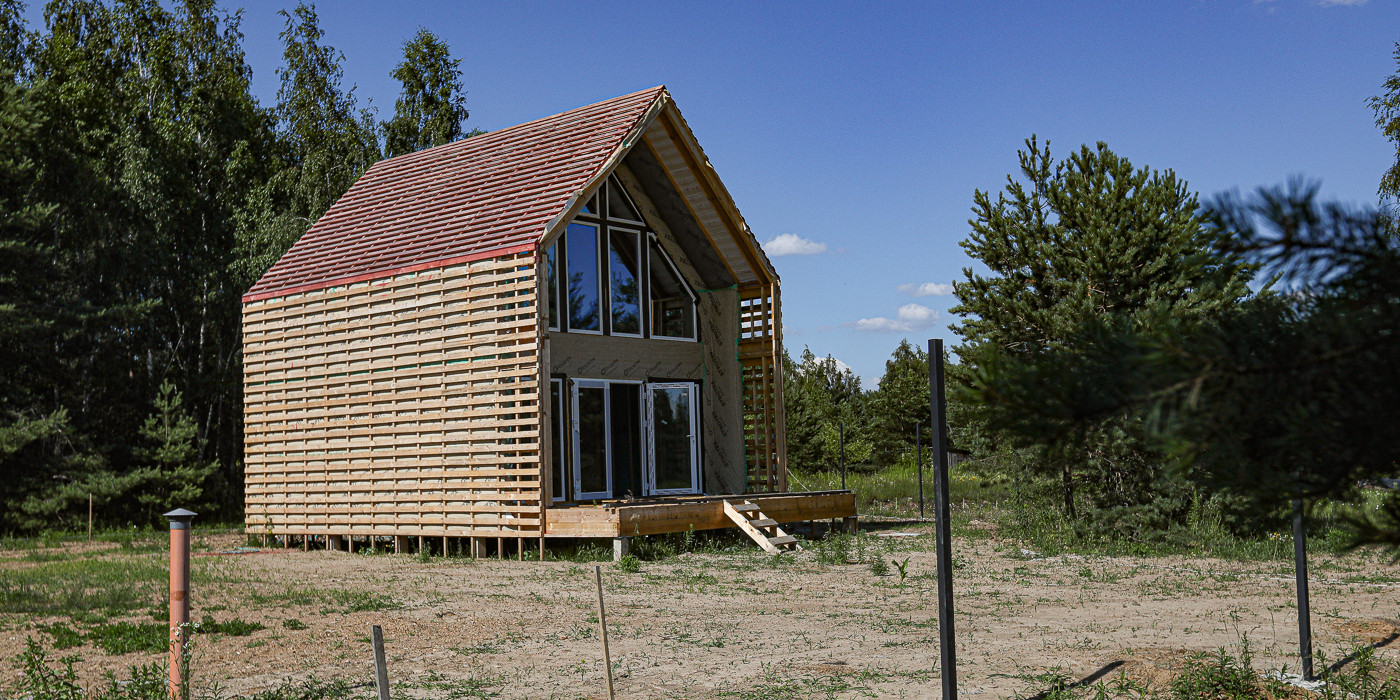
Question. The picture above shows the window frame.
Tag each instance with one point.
(694, 336)
(604, 225)
(599, 267)
(643, 289)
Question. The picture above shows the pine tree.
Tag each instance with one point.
(172, 473)
(432, 106)
(822, 400)
(901, 402)
(1086, 237)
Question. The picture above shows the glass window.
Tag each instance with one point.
(672, 308)
(619, 207)
(591, 441)
(624, 273)
(673, 438)
(556, 439)
(582, 259)
(551, 264)
(625, 422)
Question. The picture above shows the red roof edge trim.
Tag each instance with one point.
(470, 257)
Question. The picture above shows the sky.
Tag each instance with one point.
(853, 135)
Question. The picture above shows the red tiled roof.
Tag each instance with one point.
(474, 198)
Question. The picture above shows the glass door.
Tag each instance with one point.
(673, 459)
(592, 477)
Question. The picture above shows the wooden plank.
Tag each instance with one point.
(754, 533)
(406, 407)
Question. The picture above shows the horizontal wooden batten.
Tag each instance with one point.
(408, 405)
(683, 514)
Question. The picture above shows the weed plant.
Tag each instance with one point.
(1227, 674)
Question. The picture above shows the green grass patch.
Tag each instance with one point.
(63, 636)
(128, 637)
(894, 490)
(232, 628)
(114, 585)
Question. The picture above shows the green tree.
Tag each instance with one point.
(172, 473)
(1089, 236)
(1386, 107)
(432, 105)
(820, 397)
(1293, 393)
(901, 402)
(325, 141)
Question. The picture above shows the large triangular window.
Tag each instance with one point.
(607, 273)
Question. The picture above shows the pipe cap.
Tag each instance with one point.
(180, 518)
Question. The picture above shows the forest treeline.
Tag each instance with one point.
(1132, 356)
(143, 189)
(1123, 350)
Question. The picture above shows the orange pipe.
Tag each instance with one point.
(179, 598)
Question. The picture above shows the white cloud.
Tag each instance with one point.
(927, 289)
(841, 366)
(910, 317)
(792, 244)
(1348, 3)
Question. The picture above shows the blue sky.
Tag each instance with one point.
(863, 128)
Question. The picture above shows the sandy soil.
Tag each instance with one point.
(750, 626)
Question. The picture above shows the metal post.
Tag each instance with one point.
(919, 459)
(1300, 568)
(381, 667)
(842, 427)
(179, 598)
(942, 534)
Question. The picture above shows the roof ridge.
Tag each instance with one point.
(505, 130)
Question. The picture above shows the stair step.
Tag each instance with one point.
(782, 539)
(764, 522)
(745, 507)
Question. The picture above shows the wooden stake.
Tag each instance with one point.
(381, 669)
(89, 518)
(603, 628)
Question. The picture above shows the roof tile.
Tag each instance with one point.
(491, 192)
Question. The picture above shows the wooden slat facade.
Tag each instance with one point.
(761, 366)
(407, 405)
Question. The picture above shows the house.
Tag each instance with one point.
(559, 329)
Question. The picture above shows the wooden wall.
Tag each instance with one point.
(403, 406)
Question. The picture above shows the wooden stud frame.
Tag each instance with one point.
(760, 363)
(405, 406)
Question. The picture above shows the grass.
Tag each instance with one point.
(1026, 510)
(113, 585)
(894, 491)
(1228, 674)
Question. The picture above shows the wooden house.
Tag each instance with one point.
(562, 328)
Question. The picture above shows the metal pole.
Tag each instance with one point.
(603, 628)
(843, 455)
(381, 668)
(179, 598)
(942, 534)
(919, 458)
(1300, 568)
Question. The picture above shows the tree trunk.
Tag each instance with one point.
(1067, 482)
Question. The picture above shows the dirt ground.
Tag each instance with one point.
(745, 625)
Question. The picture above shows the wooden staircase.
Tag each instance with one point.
(761, 528)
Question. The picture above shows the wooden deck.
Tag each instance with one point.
(655, 516)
